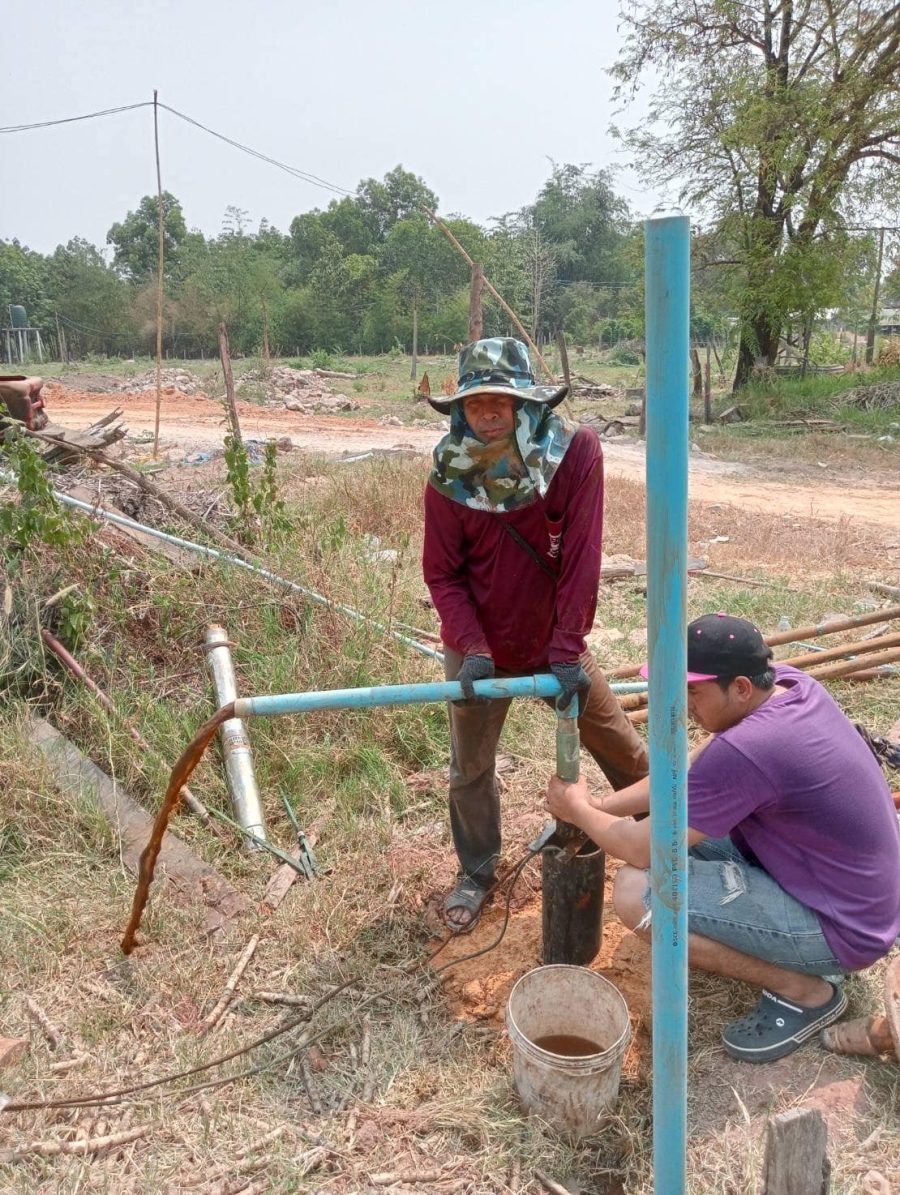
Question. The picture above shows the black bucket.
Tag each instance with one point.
(572, 912)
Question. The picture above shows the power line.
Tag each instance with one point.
(46, 124)
(303, 175)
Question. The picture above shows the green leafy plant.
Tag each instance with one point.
(76, 614)
(37, 515)
(321, 359)
(257, 508)
(269, 507)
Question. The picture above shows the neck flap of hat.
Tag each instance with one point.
(505, 475)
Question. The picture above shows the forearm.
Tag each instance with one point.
(629, 801)
(618, 836)
(636, 797)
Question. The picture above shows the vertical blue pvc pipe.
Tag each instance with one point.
(667, 279)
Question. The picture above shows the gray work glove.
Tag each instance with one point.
(474, 668)
(574, 680)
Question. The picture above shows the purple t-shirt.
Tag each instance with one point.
(798, 790)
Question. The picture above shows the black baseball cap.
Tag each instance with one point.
(719, 645)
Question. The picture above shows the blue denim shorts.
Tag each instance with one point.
(738, 904)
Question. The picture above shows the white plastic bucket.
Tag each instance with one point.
(570, 1093)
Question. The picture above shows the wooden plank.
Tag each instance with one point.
(796, 1161)
(131, 824)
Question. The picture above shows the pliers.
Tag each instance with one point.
(306, 858)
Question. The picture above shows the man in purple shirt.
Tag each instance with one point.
(513, 529)
(794, 847)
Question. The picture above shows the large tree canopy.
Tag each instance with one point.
(136, 240)
(780, 122)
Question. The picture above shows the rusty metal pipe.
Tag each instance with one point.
(239, 771)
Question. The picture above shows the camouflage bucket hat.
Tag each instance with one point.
(498, 365)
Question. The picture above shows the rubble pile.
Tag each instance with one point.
(300, 390)
(171, 379)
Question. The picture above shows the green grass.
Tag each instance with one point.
(442, 1080)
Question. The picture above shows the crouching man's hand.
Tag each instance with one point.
(569, 802)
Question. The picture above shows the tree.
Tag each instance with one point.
(578, 213)
(384, 203)
(136, 239)
(779, 120)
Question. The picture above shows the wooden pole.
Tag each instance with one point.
(873, 318)
(61, 341)
(414, 367)
(476, 303)
(503, 303)
(159, 278)
(707, 389)
(564, 357)
(225, 354)
(265, 343)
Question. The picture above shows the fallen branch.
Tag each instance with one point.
(549, 1185)
(288, 998)
(888, 590)
(149, 487)
(90, 1145)
(228, 991)
(53, 1035)
(315, 1103)
(387, 1178)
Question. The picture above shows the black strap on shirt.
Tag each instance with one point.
(527, 547)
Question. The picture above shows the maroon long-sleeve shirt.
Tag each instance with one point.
(491, 596)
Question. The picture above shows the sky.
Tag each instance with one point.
(474, 97)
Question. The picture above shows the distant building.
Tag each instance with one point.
(889, 321)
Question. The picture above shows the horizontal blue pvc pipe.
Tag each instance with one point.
(544, 685)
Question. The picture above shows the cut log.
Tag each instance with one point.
(80, 777)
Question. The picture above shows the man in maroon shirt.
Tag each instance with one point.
(513, 530)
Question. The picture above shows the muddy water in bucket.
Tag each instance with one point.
(567, 1006)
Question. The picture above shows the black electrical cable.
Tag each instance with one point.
(46, 124)
(101, 1099)
(466, 958)
(303, 175)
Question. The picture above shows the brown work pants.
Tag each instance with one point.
(474, 734)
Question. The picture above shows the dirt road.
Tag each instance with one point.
(194, 423)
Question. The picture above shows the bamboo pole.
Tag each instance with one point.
(225, 354)
(864, 646)
(831, 628)
(159, 279)
(796, 633)
(848, 667)
(438, 223)
(476, 308)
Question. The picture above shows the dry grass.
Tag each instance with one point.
(438, 1086)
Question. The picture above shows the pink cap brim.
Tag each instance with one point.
(691, 676)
